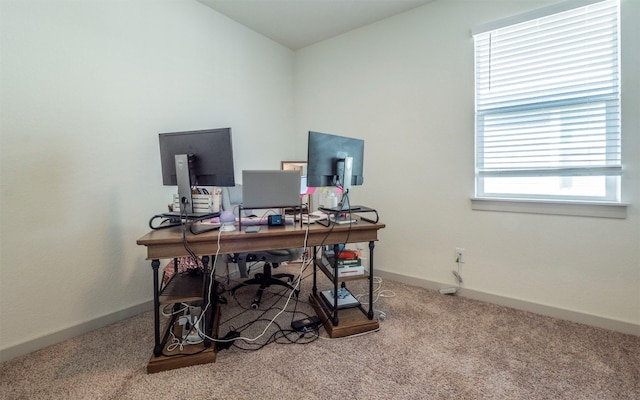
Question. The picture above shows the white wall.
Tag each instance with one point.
(405, 85)
(86, 87)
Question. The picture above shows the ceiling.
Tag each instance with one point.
(299, 23)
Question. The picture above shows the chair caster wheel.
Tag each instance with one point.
(255, 306)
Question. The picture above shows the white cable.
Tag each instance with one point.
(303, 266)
(172, 313)
(377, 292)
(457, 273)
(211, 279)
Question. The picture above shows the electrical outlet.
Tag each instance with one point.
(459, 255)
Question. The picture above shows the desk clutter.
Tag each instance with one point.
(203, 201)
(265, 220)
(347, 263)
(281, 318)
(209, 205)
(195, 317)
(200, 309)
(193, 298)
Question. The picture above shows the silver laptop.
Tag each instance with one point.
(270, 189)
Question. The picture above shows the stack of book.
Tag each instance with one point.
(348, 262)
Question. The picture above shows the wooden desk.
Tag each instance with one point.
(168, 243)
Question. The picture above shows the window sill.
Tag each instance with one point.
(584, 209)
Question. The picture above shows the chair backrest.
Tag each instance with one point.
(232, 199)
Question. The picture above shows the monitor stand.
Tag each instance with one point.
(342, 218)
(342, 213)
(193, 216)
(170, 219)
(345, 217)
(184, 180)
(339, 215)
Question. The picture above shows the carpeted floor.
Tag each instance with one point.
(429, 346)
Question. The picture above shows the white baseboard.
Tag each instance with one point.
(555, 312)
(587, 319)
(30, 346)
(71, 332)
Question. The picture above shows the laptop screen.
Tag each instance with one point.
(270, 189)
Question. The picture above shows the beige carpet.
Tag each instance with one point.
(429, 346)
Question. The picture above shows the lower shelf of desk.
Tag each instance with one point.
(351, 320)
(194, 354)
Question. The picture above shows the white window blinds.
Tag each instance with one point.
(547, 101)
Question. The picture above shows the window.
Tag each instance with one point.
(548, 105)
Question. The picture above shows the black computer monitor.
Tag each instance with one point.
(334, 160)
(196, 158)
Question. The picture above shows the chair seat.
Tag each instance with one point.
(231, 198)
(266, 279)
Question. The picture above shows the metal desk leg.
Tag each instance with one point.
(371, 246)
(208, 297)
(314, 288)
(335, 319)
(157, 349)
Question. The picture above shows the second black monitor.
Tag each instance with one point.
(328, 157)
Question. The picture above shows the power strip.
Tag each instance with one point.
(188, 321)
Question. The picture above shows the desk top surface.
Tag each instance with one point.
(168, 243)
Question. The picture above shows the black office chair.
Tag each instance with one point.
(266, 278)
(231, 198)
